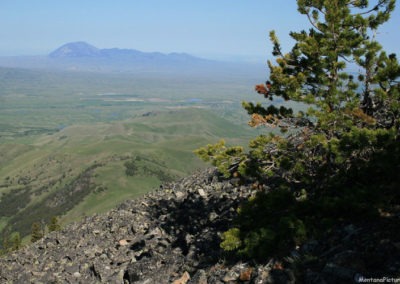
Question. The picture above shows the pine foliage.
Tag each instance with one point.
(336, 161)
(36, 232)
(54, 224)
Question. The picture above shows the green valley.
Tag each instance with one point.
(66, 143)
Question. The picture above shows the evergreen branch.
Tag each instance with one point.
(374, 8)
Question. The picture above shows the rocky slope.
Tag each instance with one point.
(172, 235)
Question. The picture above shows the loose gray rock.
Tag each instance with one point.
(175, 231)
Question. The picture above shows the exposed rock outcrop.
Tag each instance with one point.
(172, 235)
(154, 239)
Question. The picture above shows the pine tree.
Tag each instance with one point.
(36, 232)
(11, 242)
(54, 224)
(16, 242)
(5, 243)
(337, 154)
(316, 72)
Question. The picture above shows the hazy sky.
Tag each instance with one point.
(222, 29)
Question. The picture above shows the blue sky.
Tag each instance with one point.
(219, 29)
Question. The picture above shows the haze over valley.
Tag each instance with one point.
(83, 129)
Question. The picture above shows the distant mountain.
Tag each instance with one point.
(75, 49)
(82, 56)
(82, 49)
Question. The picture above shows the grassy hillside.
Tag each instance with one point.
(81, 169)
(33, 103)
(66, 137)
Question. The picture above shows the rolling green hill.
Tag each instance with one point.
(82, 169)
(67, 139)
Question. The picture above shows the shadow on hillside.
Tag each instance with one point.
(195, 223)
